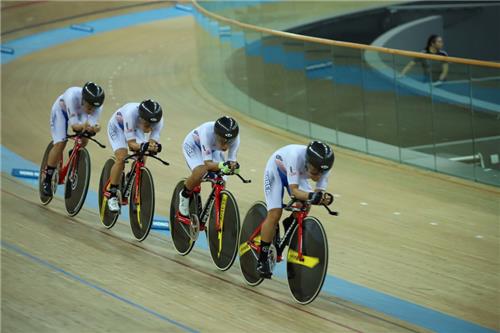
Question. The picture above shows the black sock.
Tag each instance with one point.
(113, 188)
(49, 172)
(264, 251)
(185, 192)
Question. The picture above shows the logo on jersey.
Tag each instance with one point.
(113, 132)
(268, 182)
(188, 149)
(292, 173)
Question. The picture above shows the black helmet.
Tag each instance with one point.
(226, 127)
(320, 156)
(150, 111)
(93, 94)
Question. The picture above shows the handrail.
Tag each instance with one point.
(345, 44)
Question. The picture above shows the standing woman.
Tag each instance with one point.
(433, 71)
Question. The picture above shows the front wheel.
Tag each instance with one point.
(306, 276)
(77, 182)
(142, 204)
(248, 256)
(223, 236)
(108, 218)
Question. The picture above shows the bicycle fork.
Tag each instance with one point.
(137, 198)
(220, 211)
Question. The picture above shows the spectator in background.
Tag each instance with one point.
(433, 71)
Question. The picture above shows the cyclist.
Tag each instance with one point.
(134, 126)
(290, 167)
(79, 107)
(204, 149)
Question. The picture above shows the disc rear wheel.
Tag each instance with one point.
(41, 177)
(108, 218)
(248, 256)
(180, 232)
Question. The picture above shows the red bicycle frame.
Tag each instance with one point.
(137, 168)
(218, 185)
(300, 214)
(71, 161)
(138, 165)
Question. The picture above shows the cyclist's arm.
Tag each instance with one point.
(78, 127)
(297, 193)
(211, 165)
(154, 139)
(71, 103)
(129, 131)
(93, 121)
(206, 151)
(133, 145)
(155, 133)
(233, 150)
(322, 183)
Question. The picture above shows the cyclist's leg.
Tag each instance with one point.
(273, 189)
(194, 160)
(120, 148)
(58, 129)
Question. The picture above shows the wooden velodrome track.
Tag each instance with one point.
(69, 274)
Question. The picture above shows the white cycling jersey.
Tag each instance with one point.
(122, 127)
(68, 109)
(285, 167)
(200, 146)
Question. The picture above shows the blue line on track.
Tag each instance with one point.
(18, 250)
(39, 41)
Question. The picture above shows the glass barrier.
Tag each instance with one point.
(389, 105)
